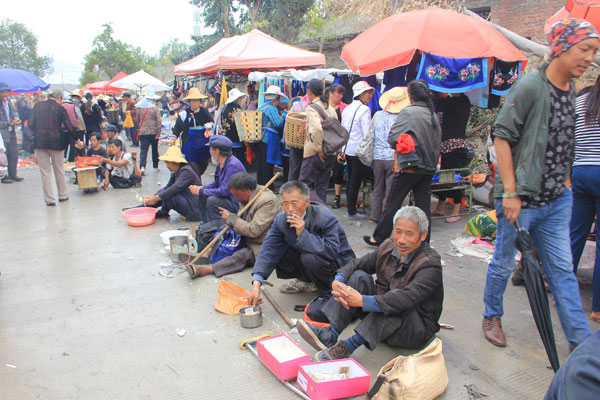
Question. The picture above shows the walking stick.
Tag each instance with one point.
(285, 318)
(240, 213)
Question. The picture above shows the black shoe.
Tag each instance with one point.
(61, 200)
(6, 179)
(50, 204)
(16, 178)
(367, 240)
(336, 202)
(161, 214)
(319, 338)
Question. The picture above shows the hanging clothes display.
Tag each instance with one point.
(504, 75)
(453, 75)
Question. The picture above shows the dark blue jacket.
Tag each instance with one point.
(579, 377)
(323, 235)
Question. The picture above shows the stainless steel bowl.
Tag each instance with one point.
(251, 320)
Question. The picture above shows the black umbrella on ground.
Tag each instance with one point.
(536, 292)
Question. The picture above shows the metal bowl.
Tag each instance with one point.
(251, 320)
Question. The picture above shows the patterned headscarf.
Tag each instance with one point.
(567, 33)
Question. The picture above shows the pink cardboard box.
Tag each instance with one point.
(281, 355)
(357, 383)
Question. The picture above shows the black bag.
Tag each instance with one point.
(335, 136)
(314, 309)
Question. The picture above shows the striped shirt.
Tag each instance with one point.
(587, 137)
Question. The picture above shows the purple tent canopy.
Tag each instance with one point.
(20, 81)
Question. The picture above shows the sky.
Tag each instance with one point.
(66, 28)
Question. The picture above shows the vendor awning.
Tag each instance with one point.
(253, 51)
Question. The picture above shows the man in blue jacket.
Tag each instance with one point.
(217, 194)
(305, 242)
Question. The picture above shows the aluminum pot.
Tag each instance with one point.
(251, 320)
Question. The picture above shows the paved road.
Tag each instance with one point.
(84, 313)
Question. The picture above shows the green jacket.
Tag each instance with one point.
(523, 122)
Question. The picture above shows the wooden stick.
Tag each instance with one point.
(277, 308)
(240, 213)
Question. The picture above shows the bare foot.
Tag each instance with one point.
(595, 316)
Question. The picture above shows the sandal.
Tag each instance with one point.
(451, 220)
(368, 241)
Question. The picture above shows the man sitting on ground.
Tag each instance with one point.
(401, 308)
(217, 195)
(120, 170)
(306, 242)
(253, 226)
(176, 195)
(95, 150)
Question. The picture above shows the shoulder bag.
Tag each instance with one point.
(334, 134)
(364, 152)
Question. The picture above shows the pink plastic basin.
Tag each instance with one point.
(140, 216)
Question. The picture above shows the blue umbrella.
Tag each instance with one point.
(20, 81)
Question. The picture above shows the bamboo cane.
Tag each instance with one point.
(240, 213)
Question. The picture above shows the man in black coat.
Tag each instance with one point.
(401, 307)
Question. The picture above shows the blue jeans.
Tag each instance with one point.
(549, 228)
(586, 206)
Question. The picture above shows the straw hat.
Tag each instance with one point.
(234, 94)
(194, 94)
(173, 154)
(275, 90)
(394, 100)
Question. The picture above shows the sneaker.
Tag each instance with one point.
(336, 202)
(143, 171)
(65, 199)
(354, 217)
(318, 337)
(16, 178)
(296, 286)
(51, 204)
(6, 179)
(156, 169)
(335, 352)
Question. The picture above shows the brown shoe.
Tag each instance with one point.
(492, 330)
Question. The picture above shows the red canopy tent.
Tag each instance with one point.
(253, 51)
(104, 87)
(584, 9)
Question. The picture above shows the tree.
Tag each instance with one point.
(279, 18)
(318, 18)
(174, 51)
(109, 56)
(18, 49)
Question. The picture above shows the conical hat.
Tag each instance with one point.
(173, 154)
(194, 94)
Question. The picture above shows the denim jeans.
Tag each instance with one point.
(586, 206)
(549, 228)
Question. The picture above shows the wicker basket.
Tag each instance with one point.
(249, 126)
(295, 130)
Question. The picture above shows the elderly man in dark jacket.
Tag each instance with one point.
(305, 242)
(176, 195)
(46, 121)
(8, 121)
(401, 307)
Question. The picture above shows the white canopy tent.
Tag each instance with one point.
(141, 80)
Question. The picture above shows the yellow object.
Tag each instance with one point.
(194, 94)
(173, 154)
(128, 123)
(231, 298)
(394, 100)
(243, 343)
(224, 93)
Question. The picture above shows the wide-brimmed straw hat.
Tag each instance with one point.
(275, 91)
(194, 94)
(394, 100)
(173, 154)
(234, 94)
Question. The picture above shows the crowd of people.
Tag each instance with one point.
(539, 130)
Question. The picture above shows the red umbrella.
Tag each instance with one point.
(393, 41)
(585, 9)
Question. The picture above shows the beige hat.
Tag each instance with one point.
(173, 154)
(76, 92)
(394, 100)
(361, 87)
(234, 94)
(194, 94)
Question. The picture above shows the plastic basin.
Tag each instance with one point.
(140, 216)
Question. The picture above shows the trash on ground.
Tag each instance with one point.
(474, 392)
(181, 332)
(131, 258)
(169, 271)
(467, 246)
(11, 366)
(446, 326)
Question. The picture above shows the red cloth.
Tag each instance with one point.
(405, 144)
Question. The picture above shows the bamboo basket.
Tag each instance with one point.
(249, 126)
(295, 130)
